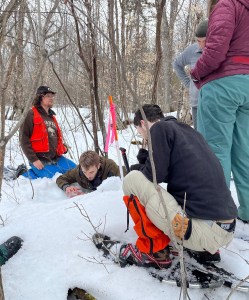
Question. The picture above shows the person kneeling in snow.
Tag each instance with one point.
(185, 162)
(9, 248)
(41, 139)
(89, 174)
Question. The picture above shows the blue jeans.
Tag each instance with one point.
(223, 120)
(62, 165)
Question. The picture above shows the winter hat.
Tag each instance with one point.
(44, 90)
(201, 29)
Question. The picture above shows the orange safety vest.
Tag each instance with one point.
(39, 138)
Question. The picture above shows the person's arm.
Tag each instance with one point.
(141, 157)
(179, 64)
(112, 168)
(161, 146)
(67, 179)
(220, 31)
(25, 134)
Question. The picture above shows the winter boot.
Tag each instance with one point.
(20, 170)
(205, 257)
(9, 248)
(131, 255)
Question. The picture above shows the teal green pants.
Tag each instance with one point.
(223, 120)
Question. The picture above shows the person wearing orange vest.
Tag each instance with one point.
(41, 139)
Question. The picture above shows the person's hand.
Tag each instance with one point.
(38, 164)
(180, 225)
(72, 191)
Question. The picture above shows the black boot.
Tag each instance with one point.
(205, 257)
(20, 170)
(9, 248)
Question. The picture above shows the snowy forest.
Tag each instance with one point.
(87, 50)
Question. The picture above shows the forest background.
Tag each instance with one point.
(87, 50)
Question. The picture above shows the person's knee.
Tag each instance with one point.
(130, 180)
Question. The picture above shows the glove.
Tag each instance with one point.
(142, 155)
(137, 167)
(182, 226)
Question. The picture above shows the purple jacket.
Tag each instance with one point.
(227, 45)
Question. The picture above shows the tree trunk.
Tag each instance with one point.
(159, 8)
(94, 124)
(1, 286)
(111, 32)
(168, 35)
(121, 81)
(2, 154)
(18, 106)
(94, 81)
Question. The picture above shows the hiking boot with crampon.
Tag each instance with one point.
(9, 248)
(131, 255)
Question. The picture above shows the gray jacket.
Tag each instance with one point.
(188, 57)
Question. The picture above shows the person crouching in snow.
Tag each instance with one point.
(185, 162)
(41, 139)
(89, 174)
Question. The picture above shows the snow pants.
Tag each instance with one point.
(206, 235)
(62, 165)
(223, 120)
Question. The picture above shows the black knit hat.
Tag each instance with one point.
(201, 29)
(44, 90)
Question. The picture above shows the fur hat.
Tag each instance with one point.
(201, 29)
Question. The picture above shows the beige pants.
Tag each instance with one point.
(203, 237)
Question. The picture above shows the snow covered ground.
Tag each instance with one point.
(57, 252)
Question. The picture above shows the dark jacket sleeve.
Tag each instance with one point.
(67, 179)
(179, 64)
(220, 31)
(138, 167)
(25, 134)
(142, 155)
(161, 145)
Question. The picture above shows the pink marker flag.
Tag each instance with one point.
(111, 131)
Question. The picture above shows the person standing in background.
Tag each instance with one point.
(222, 74)
(189, 57)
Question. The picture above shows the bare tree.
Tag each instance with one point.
(169, 20)
(18, 103)
(89, 59)
(159, 13)
(8, 73)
